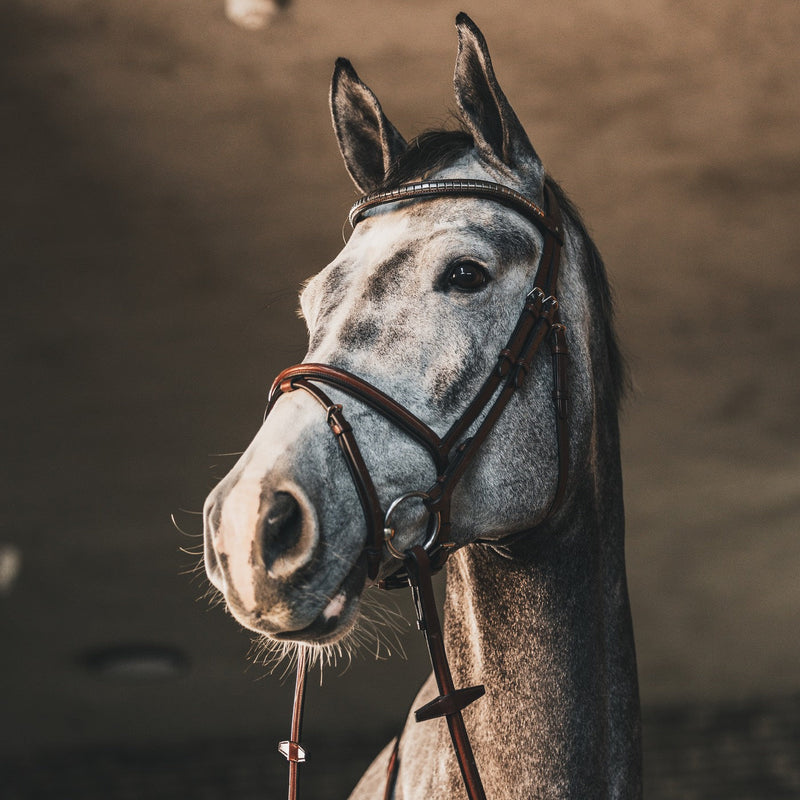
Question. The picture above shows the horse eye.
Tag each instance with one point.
(467, 276)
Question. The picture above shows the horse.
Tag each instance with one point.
(409, 318)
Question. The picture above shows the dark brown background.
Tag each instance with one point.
(168, 181)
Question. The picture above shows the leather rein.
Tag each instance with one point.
(451, 455)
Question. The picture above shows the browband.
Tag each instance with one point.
(459, 187)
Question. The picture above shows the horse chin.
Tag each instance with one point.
(332, 621)
(331, 625)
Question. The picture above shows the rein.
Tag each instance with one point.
(451, 454)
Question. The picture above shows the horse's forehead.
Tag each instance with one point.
(397, 251)
(394, 235)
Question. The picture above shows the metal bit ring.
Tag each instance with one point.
(389, 531)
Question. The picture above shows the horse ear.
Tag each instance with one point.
(369, 143)
(495, 128)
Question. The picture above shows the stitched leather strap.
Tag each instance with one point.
(290, 380)
(451, 701)
(291, 749)
(458, 187)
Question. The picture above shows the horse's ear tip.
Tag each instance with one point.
(342, 65)
(464, 21)
(470, 35)
(344, 74)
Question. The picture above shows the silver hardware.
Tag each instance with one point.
(389, 531)
(285, 751)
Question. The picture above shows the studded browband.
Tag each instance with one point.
(458, 187)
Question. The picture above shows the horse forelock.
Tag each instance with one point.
(426, 155)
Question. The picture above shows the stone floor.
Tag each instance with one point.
(749, 751)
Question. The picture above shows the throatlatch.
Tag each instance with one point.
(450, 454)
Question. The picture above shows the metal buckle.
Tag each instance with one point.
(389, 531)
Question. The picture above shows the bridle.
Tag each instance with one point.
(451, 454)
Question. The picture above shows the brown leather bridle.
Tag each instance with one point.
(451, 454)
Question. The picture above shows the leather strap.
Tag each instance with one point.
(451, 701)
(367, 495)
(291, 749)
(391, 770)
(560, 352)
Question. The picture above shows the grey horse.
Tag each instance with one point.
(418, 303)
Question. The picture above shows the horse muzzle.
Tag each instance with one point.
(261, 546)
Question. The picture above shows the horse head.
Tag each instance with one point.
(418, 304)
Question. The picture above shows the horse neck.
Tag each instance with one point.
(549, 634)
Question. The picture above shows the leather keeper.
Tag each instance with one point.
(520, 373)
(504, 363)
(336, 421)
(561, 402)
(292, 751)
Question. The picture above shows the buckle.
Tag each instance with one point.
(534, 300)
(549, 308)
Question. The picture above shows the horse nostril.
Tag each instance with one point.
(281, 529)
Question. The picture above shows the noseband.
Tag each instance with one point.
(451, 454)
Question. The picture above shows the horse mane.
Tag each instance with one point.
(600, 292)
(434, 150)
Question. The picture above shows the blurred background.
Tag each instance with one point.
(169, 177)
